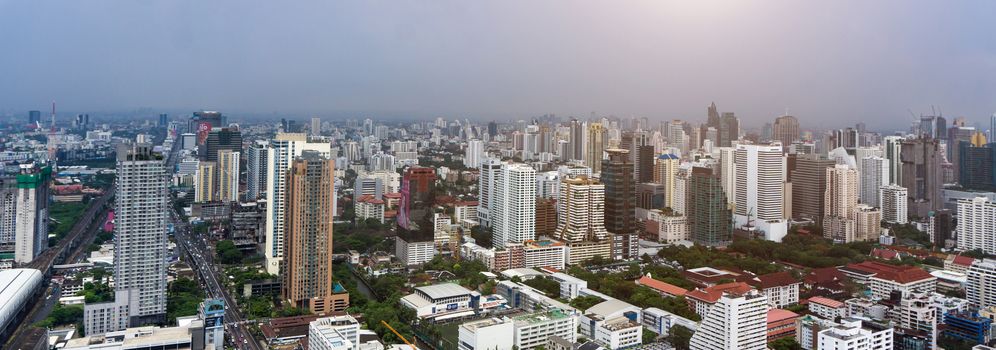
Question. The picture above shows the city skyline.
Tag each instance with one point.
(843, 62)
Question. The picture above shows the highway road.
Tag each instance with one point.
(200, 255)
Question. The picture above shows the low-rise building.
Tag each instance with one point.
(807, 329)
(827, 308)
(334, 333)
(519, 332)
(663, 288)
(442, 301)
(414, 252)
(660, 321)
(781, 324)
(855, 334)
(780, 288)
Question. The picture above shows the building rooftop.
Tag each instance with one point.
(775, 315)
(712, 294)
(826, 301)
(661, 286)
(443, 290)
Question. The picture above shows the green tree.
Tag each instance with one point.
(679, 337)
(785, 344)
(648, 336)
(227, 252)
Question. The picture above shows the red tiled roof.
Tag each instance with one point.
(826, 274)
(899, 274)
(775, 315)
(826, 301)
(771, 280)
(963, 260)
(885, 254)
(393, 195)
(712, 294)
(661, 286)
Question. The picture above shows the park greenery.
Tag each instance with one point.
(804, 250)
(614, 285)
(64, 215)
(63, 315)
(785, 344)
(227, 252)
(680, 337)
(183, 298)
(96, 292)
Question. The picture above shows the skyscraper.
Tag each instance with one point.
(228, 176)
(729, 129)
(307, 265)
(921, 175)
(577, 140)
(874, 174)
(976, 224)
(786, 130)
(316, 126)
(34, 117)
(582, 202)
(256, 170)
(219, 139)
(734, 322)
(977, 164)
(486, 183)
(473, 154)
(760, 190)
(710, 221)
(514, 216)
(665, 170)
(893, 152)
(644, 164)
(595, 147)
(893, 199)
(809, 182)
(841, 200)
(140, 229)
(283, 149)
(620, 199)
(205, 184)
(31, 221)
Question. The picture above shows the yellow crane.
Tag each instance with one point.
(398, 334)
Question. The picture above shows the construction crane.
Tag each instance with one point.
(398, 334)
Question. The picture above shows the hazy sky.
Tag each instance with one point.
(831, 62)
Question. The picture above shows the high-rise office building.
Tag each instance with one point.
(977, 164)
(710, 221)
(31, 220)
(786, 130)
(205, 184)
(729, 130)
(921, 175)
(809, 182)
(228, 176)
(977, 224)
(582, 202)
(256, 170)
(893, 199)
(316, 126)
(486, 181)
(577, 136)
(140, 229)
(473, 154)
(219, 139)
(728, 173)
(34, 117)
(416, 191)
(514, 214)
(163, 119)
(201, 123)
(283, 149)
(840, 201)
(893, 153)
(620, 199)
(734, 322)
(665, 170)
(644, 171)
(307, 264)
(595, 147)
(874, 174)
(761, 190)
